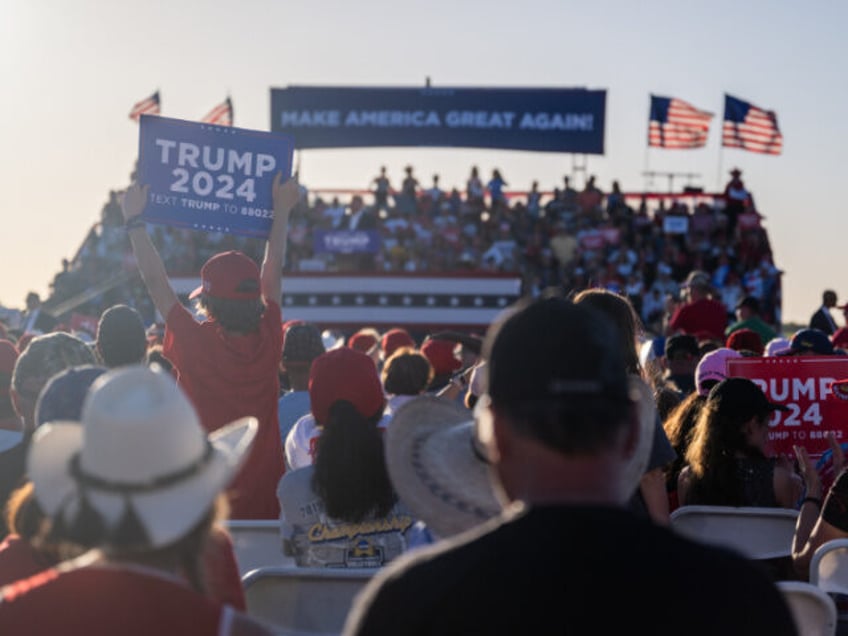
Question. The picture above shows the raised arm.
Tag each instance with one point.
(150, 264)
(286, 196)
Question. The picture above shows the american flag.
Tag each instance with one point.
(147, 106)
(674, 123)
(750, 128)
(221, 115)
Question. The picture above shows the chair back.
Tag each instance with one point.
(757, 533)
(829, 567)
(257, 543)
(812, 608)
(298, 600)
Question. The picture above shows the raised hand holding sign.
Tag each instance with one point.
(211, 178)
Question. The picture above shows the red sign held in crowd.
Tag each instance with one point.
(803, 385)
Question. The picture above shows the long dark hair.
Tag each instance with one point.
(621, 312)
(680, 427)
(350, 468)
(239, 316)
(717, 440)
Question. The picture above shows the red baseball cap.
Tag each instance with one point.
(229, 275)
(344, 374)
(394, 339)
(363, 340)
(440, 354)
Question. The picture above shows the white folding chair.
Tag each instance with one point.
(257, 543)
(829, 567)
(303, 601)
(812, 608)
(757, 533)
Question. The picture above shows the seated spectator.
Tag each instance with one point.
(406, 375)
(367, 341)
(438, 468)
(746, 341)
(121, 338)
(342, 510)
(840, 338)
(442, 357)
(682, 357)
(808, 342)
(301, 345)
(148, 503)
(726, 457)
(44, 357)
(775, 345)
(393, 340)
(328, 379)
(558, 429)
(650, 499)
(748, 317)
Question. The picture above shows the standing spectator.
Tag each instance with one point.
(436, 195)
(534, 201)
(496, 185)
(737, 199)
(408, 202)
(701, 313)
(382, 188)
(822, 319)
(228, 365)
(558, 428)
(139, 481)
(474, 189)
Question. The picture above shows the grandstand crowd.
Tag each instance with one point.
(567, 238)
(484, 484)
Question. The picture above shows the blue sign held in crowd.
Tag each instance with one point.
(212, 178)
(346, 242)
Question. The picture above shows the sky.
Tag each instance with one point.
(72, 70)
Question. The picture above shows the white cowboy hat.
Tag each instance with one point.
(139, 444)
(430, 454)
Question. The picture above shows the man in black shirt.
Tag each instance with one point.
(558, 427)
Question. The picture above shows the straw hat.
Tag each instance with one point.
(434, 468)
(139, 448)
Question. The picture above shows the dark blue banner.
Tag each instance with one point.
(541, 119)
(346, 242)
(212, 178)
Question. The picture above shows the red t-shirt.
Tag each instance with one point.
(106, 600)
(227, 377)
(704, 315)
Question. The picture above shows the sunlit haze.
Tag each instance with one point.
(72, 70)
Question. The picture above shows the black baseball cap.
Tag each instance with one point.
(741, 397)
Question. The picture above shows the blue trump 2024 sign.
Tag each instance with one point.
(212, 178)
(541, 119)
(346, 242)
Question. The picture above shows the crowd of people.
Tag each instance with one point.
(468, 472)
(567, 238)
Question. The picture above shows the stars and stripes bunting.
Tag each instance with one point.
(750, 128)
(674, 123)
(353, 300)
(147, 106)
(221, 115)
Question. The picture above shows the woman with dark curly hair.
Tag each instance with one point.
(727, 461)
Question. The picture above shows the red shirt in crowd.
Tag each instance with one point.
(227, 377)
(702, 316)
